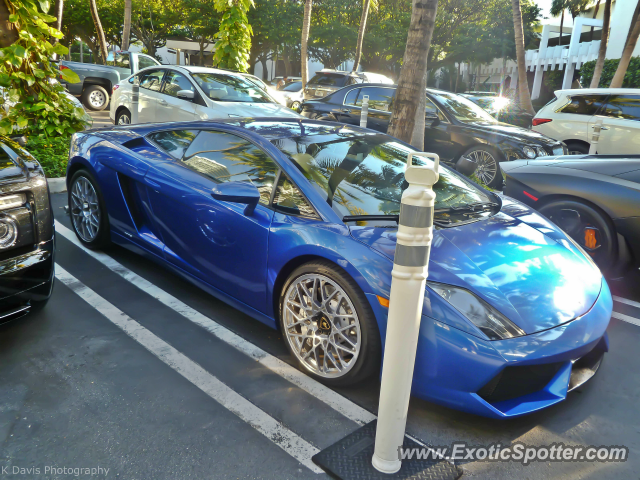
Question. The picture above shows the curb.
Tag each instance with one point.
(57, 185)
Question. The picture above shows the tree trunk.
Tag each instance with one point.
(99, 31)
(457, 79)
(202, 46)
(126, 31)
(363, 26)
(561, 24)
(407, 120)
(304, 57)
(503, 76)
(265, 68)
(597, 71)
(595, 14)
(523, 84)
(632, 39)
(286, 61)
(59, 9)
(8, 34)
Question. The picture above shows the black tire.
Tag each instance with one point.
(123, 117)
(577, 148)
(488, 160)
(95, 98)
(368, 361)
(102, 237)
(575, 217)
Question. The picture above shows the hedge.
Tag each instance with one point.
(52, 153)
(631, 79)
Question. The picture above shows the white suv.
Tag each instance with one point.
(572, 114)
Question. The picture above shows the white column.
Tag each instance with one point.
(542, 53)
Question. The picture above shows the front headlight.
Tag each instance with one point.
(529, 152)
(541, 152)
(8, 232)
(489, 320)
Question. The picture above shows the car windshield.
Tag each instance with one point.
(463, 109)
(230, 88)
(329, 79)
(362, 173)
(293, 87)
(256, 81)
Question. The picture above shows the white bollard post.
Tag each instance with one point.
(365, 111)
(135, 100)
(595, 137)
(409, 276)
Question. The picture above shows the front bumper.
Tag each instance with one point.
(453, 367)
(26, 279)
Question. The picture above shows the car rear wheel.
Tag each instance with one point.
(328, 325)
(488, 169)
(95, 98)
(88, 214)
(592, 229)
(123, 117)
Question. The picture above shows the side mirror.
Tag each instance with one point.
(238, 192)
(186, 94)
(431, 119)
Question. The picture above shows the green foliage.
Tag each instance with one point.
(233, 44)
(52, 153)
(40, 106)
(553, 79)
(631, 78)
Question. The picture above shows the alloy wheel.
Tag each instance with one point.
(124, 119)
(85, 210)
(487, 165)
(321, 325)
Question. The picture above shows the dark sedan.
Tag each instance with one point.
(504, 110)
(455, 127)
(594, 198)
(26, 233)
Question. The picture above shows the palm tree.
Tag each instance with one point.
(407, 120)
(363, 25)
(304, 57)
(102, 42)
(523, 84)
(597, 71)
(629, 46)
(126, 31)
(557, 8)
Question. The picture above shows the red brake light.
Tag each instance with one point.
(535, 199)
(540, 121)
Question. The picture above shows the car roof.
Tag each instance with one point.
(602, 91)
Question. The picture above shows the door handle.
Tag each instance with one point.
(163, 102)
(601, 128)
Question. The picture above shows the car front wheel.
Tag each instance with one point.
(488, 169)
(86, 207)
(123, 117)
(328, 325)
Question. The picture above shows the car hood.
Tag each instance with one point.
(516, 260)
(513, 132)
(236, 109)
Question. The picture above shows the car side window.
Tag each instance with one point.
(144, 62)
(174, 142)
(379, 98)
(350, 99)
(623, 106)
(175, 82)
(152, 80)
(289, 199)
(224, 157)
(432, 111)
(584, 104)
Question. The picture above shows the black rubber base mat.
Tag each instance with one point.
(350, 459)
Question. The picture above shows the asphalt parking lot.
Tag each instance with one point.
(132, 370)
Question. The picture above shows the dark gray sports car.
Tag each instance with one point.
(594, 198)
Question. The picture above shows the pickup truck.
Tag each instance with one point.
(97, 81)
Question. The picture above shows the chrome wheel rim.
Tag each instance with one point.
(321, 325)
(487, 165)
(124, 120)
(97, 98)
(85, 211)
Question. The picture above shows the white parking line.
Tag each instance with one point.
(291, 443)
(336, 401)
(626, 301)
(626, 318)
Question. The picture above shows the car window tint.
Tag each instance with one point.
(432, 111)
(329, 79)
(584, 104)
(228, 158)
(152, 80)
(175, 82)
(379, 98)
(350, 99)
(288, 199)
(293, 87)
(174, 142)
(122, 60)
(144, 62)
(623, 106)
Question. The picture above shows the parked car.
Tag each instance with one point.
(183, 93)
(504, 110)
(26, 233)
(594, 198)
(571, 115)
(273, 216)
(97, 81)
(455, 127)
(292, 93)
(275, 80)
(327, 81)
(271, 91)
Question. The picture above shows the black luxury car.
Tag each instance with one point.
(455, 127)
(503, 109)
(26, 233)
(594, 198)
